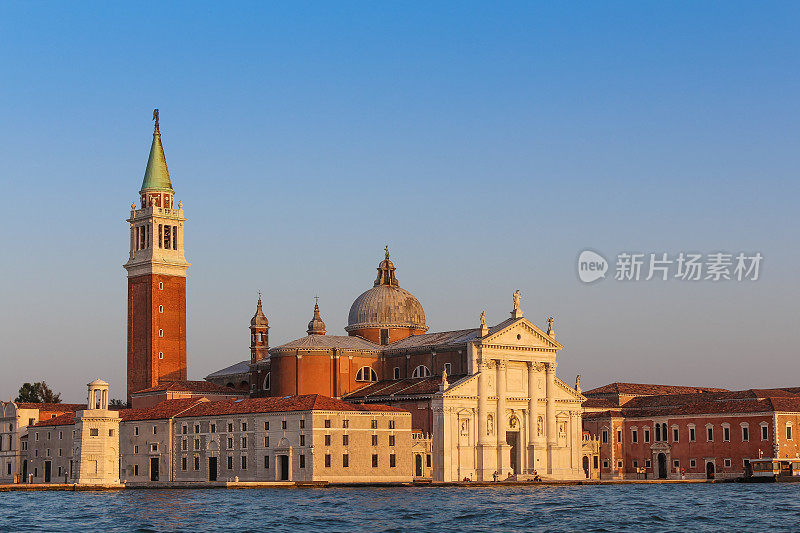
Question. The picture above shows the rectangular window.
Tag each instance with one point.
(692, 463)
(391, 440)
(327, 460)
(230, 462)
(136, 449)
(595, 462)
(266, 441)
(94, 432)
(327, 422)
(619, 464)
(155, 430)
(710, 433)
(197, 428)
(244, 426)
(183, 463)
(428, 460)
(136, 430)
(154, 447)
(374, 440)
(266, 461)
(605, 463)
(635, 464)
(266, 425)
(676, 463)
(345, 440)
(302, 461)
(244, 442)
(373, 424)
(196, 444)
(619, 435)
(345, 460)
(184, 429)
(634, 436)
(397, 372)
(244, 462)
(213, 428)
(283, 424)
(392, 461)
(647, 463)
(745, 434)
(604, 436)
(764, 432)
(196, 463)
(391, 424)
(727, 463)
(345, 423)
(230, 427)
(327, 440)
(230, 443)
(788, 432)
(691, 435)
(110, 433)
(302, 423)
(646, 435)
(302, 440)
(726, 433)
(135, 470)
(161, 333)
(447, 368)
(374, 460)
(675, 435)
(184, 445)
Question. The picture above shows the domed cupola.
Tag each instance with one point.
(386, 313)
(316, 326)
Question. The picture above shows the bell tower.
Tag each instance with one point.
(156, 279)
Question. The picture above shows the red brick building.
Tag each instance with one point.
(696, 432)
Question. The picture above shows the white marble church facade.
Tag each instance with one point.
(511, 415)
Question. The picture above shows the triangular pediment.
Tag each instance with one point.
(523, 333)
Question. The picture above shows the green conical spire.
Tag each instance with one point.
(156, 176)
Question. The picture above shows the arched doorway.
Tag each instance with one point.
(662, 466)
(418, 465)
(586, 466)
(709, 470)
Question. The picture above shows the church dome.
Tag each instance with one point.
(386, 305)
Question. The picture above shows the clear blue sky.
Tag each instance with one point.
(487, 144)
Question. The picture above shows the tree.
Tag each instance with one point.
(37, 392)
(117, 404)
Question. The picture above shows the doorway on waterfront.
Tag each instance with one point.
(154, 469)
(25, 471)
(709, 470)
(48, 471)
(212, 468)
(512, 439)
(662, 466)
(586, 466)
(418, 465)
(283, 467)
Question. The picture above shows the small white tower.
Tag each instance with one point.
(97, 439)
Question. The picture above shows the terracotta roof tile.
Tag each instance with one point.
(305, 402)
(403, 387)
(64, 419)
(312, 342)
(162, 410)
(189, 386)
(647, 389)
(55, 407)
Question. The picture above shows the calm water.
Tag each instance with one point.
(591, 508)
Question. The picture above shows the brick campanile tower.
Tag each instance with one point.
(156, 279)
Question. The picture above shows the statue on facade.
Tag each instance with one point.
(386, 251)
(550, 325)
(578, 383)
(483, 319)
(517, 299)
(155, 117)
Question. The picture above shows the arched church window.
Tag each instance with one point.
(366, 373)
(266, 381)
(421, 371)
